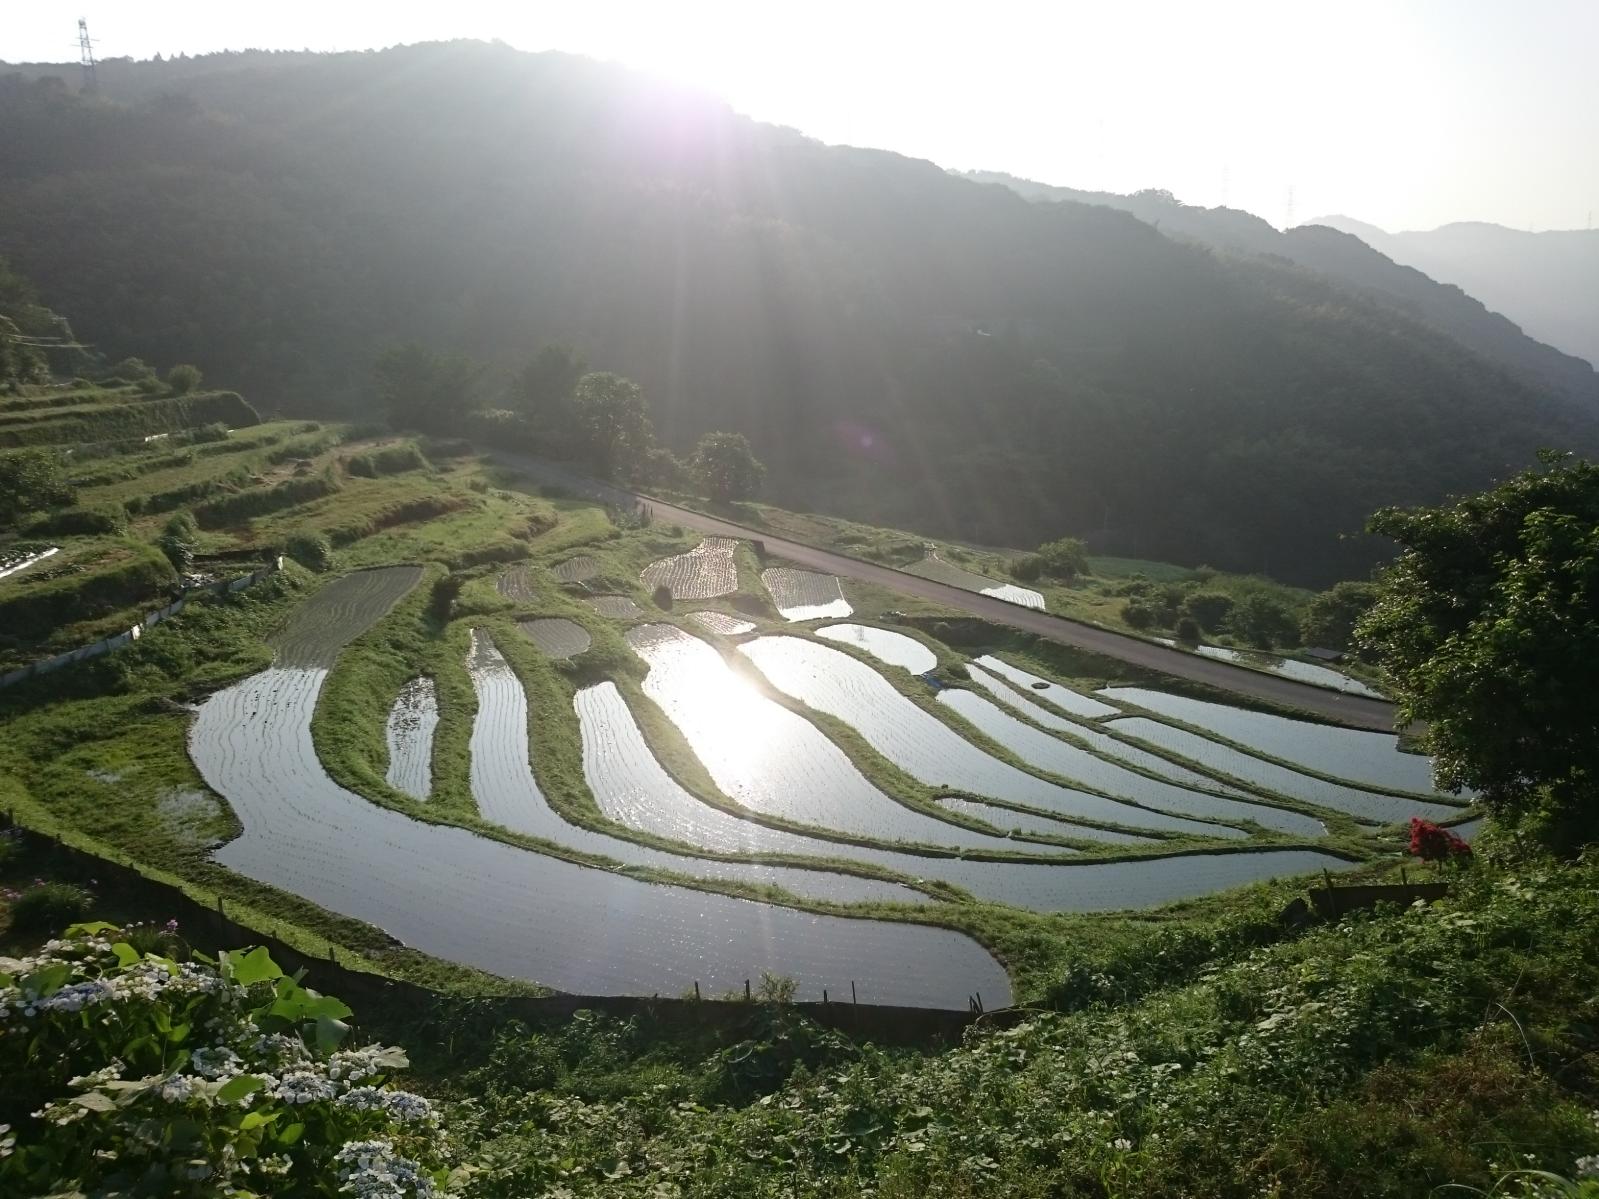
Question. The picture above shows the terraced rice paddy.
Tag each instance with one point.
(615, 607)
(15, 562)
(516, 583)
(1361, 757)
(478, 902)
(773, 761)
(721, 622)
(924, 746)
(409, 732)
(1213, 755)
(1073, 703)
(1103, 744)
(1289, 668)
(935, 568)
(705, 572)
(1014, 819)
(805, 595)
(576, 570)
(886, 646)
(1055, 756)
(507, 793)
(556, 636)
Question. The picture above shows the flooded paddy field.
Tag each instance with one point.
(705, 572)
(721, 622)
(805, 595)
(507, 793)
(1373, 759)
(1073, 703)
(468, 899)
(1368, 806)
(1059, 757)
(409, 732)
(556, 636)
(516, 583)
(1290, 668)
(774, 761)
(615, 607)
(924, 746)
(887, 646)
(578, 569)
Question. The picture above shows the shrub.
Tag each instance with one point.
(662, 596)
(1137, 614)
(1188, 630)
(1027, 569)
(388, 460)
(80, 522)
(1064, 559)
(177, 541)
(49, 908)
(311, 550)
(1263, 622)
(129, 370)
(1431, 843)
(154, 1075)
(183, 378)
(214, 431)
(1208, 608)
(30, 480)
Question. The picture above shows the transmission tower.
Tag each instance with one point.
(86, 56)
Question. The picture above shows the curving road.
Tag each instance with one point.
(1356, 711)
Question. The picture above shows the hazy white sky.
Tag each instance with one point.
(1405, 114)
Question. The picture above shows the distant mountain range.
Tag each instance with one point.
(1473, 282)
(1548, 283)
(899, 344)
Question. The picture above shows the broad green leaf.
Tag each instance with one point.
(237, 1088)
(47, 981)
(254, 967)
(95, 1101)
(290, 1134)
(329, 1033)
(256, 1119)
(127, 955)
(88, 928)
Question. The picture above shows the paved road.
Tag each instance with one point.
(1357, 711)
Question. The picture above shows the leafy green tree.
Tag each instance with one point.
(1188, 631)
(1331, 617)
(1208, 608)
(611, 423)
(426, 390)
(183, 378)
(1065, 558)
(1488, 628)
(129, 370)
(178, 541)
(543, 390)
(1263, 622)
(29, 480)
(726, 468)
(1138, 614)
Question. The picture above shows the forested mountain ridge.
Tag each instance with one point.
(900, 345)
(1400, 271)
(1547, 281)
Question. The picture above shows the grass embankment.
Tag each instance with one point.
(1392, 1054)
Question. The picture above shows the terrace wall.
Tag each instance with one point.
(128, 636)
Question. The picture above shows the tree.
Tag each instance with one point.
(726, 468)
(1263, 622)
(611, 424)
(543, 390)
(1488, 628)
(183, 378)
(426, 390)
(1331, 617)
(1208, 608)
(1064, 559)
(31, 479)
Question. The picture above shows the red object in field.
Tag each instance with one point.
(1433, 844)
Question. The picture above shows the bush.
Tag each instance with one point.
(80, 522)
(1137, 614)
(1208, 608)
(129, 370)
(1064, 559)
(1263, 622)
(1188, 631)
(177, 541)
(49, 908)
(310, 550)
(30, 480)
(183, 378)
(160, 1076)
(662, 596)
(1028, 569)
(215, 431)
(389, 460)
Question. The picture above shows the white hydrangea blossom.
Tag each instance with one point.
(303, 1086)
(215, 1062)
(176, 1089)
(1587, 1167)
(372, 1170)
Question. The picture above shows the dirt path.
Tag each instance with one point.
(1353, 710)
